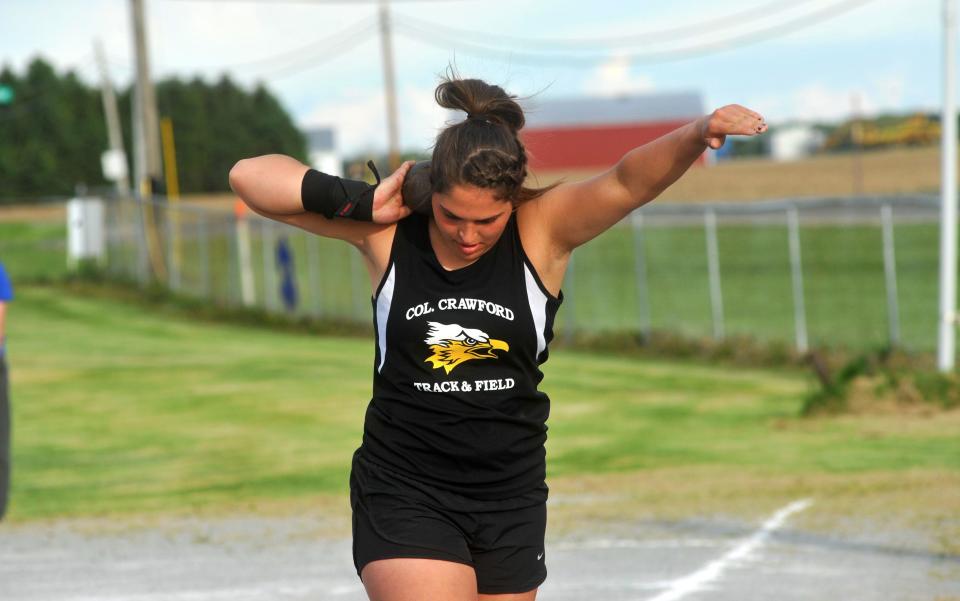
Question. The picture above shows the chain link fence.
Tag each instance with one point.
(854, 272)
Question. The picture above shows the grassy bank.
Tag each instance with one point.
(119, 410)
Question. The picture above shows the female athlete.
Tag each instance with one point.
(448, 486)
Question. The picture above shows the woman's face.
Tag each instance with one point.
(470, 219)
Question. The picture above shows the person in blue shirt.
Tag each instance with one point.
(6, 295)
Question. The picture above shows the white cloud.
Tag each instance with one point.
(190, 38)
(866, 22)
(66, 38)
(177, 34)
(819, 102)
(613, 77)
(771, 105)
(360, 120)
(890, 89)
(423, 118)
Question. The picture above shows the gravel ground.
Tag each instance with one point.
(281, 558)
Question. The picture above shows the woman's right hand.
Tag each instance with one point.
(388, 204)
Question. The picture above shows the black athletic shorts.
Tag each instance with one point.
(395, 516)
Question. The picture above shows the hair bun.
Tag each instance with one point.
(481, 102)
(484, 149)
(482, 118)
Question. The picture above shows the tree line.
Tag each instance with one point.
(53, 131)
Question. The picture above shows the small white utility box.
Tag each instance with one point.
(85, 230)
(114, 165)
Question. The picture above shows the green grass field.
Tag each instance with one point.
(844, 286)
(32, 250)
(120, 410)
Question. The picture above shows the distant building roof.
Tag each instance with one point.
(319, 138)
(612, 110)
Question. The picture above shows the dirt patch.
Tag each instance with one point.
(57, 211)
(328, 517)
(876, 395)
(920, 505)
(34, 213)
(889, 171)
(216, 202)
(889, 393)
(924, 501)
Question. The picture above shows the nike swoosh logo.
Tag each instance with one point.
(540, 556)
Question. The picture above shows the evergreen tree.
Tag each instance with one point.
(54, 132)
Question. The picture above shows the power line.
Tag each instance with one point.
(319, 1)
(297, 60)
(580, 60)
(309, 62)
(331, 43)
(289, 61)
(756, 13)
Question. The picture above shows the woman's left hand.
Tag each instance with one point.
(732, 119)
(388, 204)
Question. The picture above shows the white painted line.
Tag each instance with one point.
(629, 543)
(698, 580)
(318, 590)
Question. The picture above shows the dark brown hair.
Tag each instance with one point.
(483, 150)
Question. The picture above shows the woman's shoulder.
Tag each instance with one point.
(549, 263)
(529, 223)
(409, 231)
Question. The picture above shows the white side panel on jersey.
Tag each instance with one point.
(383, 312)
(538, 308)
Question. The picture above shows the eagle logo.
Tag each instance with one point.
(452, 344)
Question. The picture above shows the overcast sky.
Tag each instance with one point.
(789, 60)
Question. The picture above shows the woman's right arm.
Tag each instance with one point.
(270, 186)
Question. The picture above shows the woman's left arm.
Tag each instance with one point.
(577, 212)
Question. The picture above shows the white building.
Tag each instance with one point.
(322, 151)
(795, 142)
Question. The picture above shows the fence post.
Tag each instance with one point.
(569, 283)
(110, 227)
(358, 285)
(796, 270)
(204, 243)
(174, 244)
(713, 264)
(229, 226)
(173, 276)
(143, 261)
(313, 274)
(890, 274)
(269, 266)
(241, 228)
(114, 234)
(640, 269)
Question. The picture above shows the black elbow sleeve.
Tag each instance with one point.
(332, 196)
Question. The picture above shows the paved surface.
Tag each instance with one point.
(283, 559)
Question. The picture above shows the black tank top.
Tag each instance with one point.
(455, 402)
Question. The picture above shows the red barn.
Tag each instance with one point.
(594, 133)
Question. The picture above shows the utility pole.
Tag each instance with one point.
(386, 48)
(147, 108)
(148, 167)
(114, 131)
(856, 137)
(946, 342)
